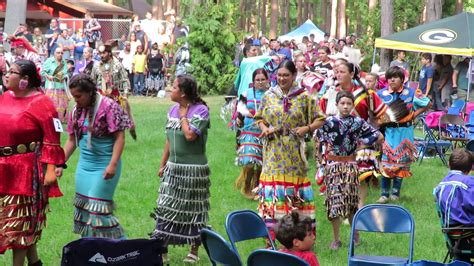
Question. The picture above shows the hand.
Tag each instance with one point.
(59, 172)
(267, 131)
(183, 110)
(50, 78)
(161, 171)
(238, 122)
(300, 131)
(49, 178)
(109, 172)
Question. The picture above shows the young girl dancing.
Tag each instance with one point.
(340, 136)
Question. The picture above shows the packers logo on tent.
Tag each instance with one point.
(438, 36)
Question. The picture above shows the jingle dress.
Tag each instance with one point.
(93, 202)
(27, 124)
(249, 150)
(285, 186)
(56, 89)
(367, 105)
(340, 137)
(399, 149)
(183, 200)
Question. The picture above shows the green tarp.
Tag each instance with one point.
(452, 35)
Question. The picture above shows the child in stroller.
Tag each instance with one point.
(155, 80)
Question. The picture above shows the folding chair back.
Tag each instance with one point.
(459, 104)
(218, 249)
(265, 257)
(383, 219)
(245, 225)
(470, 124)
(430, 141)
(452, 128)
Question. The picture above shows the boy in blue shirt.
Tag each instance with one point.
(426, 74)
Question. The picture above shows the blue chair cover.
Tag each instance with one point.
(265, 257)
(245, 225)
(104, 251)
(218, 249)
(382, 219)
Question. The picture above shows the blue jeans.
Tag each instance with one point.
(387, 183)
(138, 83)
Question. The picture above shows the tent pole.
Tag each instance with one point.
(469, 73)
(373, 56)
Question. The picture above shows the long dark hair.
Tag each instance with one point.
(28, 68)
(288, 64)
(187, 84)
(259, 71)
(84, 83)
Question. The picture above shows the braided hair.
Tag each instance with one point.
(187, 84)
(84, 83)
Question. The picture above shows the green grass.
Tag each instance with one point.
(137, 192)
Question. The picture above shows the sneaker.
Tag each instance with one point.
(394, 198)
(191, 258)
(335, 245)
(382, 200)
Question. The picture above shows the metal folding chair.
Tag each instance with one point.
(430, 141)
(382, 218)
(265, 257)
(452, 128)
(218, 249)
(245, 225)
(435, 263)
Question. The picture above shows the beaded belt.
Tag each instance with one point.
(18, 149)
(336, 158)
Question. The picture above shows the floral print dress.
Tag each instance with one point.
(284, 184)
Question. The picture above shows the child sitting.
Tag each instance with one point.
(340, 137)
(454, 198)
(297, 237)
(454, 194)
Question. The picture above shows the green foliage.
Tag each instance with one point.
(212, 41)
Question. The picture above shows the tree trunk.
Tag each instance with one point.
(434, 10)
(371, 25)
(284, 26)
(305, 10)
(459, 6)
(333, 29)
(263, 17)
(169, 4)
(341, 19)
(157, 9)
(386, 28)
(274, 19)
(242, 14)
(287, 15)
(324, 15)
(177, 6)
(299, 11)
(247, 12)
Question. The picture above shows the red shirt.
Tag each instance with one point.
(24, 120)
(308, 256)
(362, 103)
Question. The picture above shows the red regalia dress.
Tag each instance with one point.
(28, 143)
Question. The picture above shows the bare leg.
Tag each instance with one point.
(336, 225)
(19, 257)
(32, 254)
(194, 249)
(363, 190)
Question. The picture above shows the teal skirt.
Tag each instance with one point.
(94, 205)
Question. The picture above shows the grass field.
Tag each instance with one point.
(136, 195)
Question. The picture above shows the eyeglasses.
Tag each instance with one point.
(13, 72)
